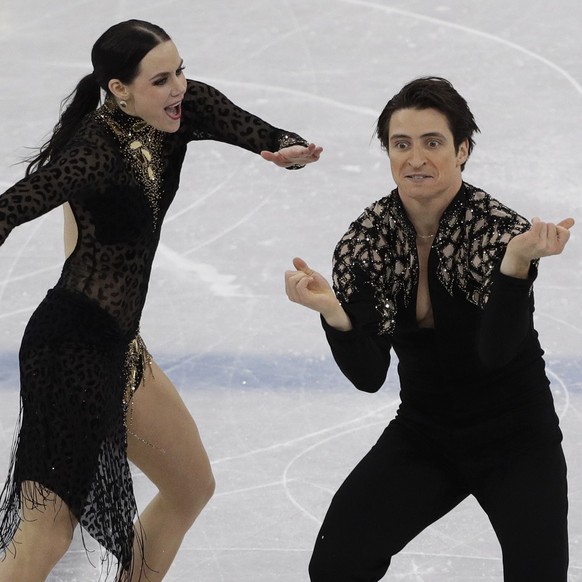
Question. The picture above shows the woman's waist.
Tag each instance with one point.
(122, 300)
(119, 291)
(70, 315)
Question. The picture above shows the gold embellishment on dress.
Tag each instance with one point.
(141, 146)
(137, 361)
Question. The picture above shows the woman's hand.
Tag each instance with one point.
(310, 289)
(296, 155)
(543, 239)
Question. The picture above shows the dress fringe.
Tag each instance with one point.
(98, 490)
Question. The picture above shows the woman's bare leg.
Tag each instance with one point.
(44, 535)
(164, 442)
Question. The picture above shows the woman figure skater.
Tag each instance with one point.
(117, 166)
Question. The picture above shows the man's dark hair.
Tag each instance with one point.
(432, 93)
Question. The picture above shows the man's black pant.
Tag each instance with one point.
(409, 480)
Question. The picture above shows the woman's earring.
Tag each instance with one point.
(123, 103)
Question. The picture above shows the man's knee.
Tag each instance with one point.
(325, 563)
(336, 562)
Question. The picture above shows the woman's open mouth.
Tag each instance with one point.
(174, 111)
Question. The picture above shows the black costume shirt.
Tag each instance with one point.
(482, 359)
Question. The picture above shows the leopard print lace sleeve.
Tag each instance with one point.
(75, 172)
(208, 114)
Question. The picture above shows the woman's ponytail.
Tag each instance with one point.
(84, 99)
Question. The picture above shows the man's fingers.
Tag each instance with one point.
(302, 266)
(299, 263)
(548, 231)
(567, 223)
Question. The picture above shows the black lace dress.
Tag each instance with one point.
(81, 356)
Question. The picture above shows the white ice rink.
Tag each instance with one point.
(281, 425)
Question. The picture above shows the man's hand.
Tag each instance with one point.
(543, 239)
(310, 289)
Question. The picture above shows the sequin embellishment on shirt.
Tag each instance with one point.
(471, 239)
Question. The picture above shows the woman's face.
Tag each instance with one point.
(156, 93)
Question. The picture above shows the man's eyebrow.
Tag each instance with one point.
(424, 135)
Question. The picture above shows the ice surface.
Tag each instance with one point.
(280, 423)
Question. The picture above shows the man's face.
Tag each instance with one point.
(423, 159)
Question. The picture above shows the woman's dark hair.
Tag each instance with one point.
(116, 54)
(432, 93)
